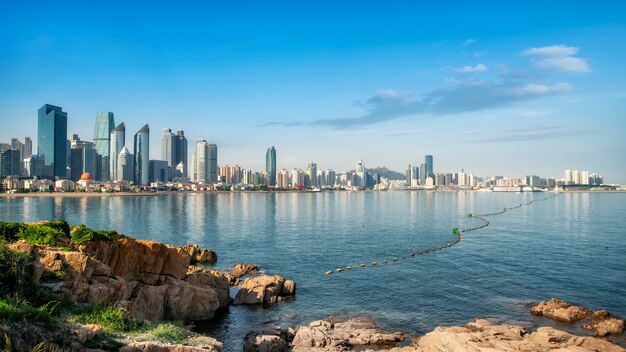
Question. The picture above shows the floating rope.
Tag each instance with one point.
(456, 231)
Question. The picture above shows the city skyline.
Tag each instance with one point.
(387, 84)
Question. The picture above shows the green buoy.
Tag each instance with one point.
(469, 215)
(455, 230)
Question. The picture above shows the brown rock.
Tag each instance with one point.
(289, 288)
(199, 255)
(603, 324)
(559, 310)
(164, 347)
(238, 271)
(260, 289)
(211, 279)
(254, 342)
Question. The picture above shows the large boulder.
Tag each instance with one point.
(603, 324)
(140, 260)
(262, 289)
(254, 342)
(355, 332)
(559, 310)
(211, 279)
(199, 255)
(238, 271)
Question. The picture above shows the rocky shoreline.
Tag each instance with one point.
(154, 282)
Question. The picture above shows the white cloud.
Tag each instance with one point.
(469, 41)
(472, 69)
(539, 89)
(557, 58)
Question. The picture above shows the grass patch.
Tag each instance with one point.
(16, 273)
(170, 332)
(81, 234)
(108, 317)
(12, 310)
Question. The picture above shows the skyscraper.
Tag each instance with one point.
(212, 169)
(428, 164)
(28, 148)
(360, 174)
(181, 151)
(118, 141)
(52, 140)
(125, 162)
(169, 152)
(311, 175)
(102, 141)
(201, 161)
(142, 156)
(10, 163)
(270, 165)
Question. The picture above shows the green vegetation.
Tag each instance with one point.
(12, 310)
(81, 234)
(9, 230)
(170, 332)
(108, 317)
(16, 273)
(41, 234)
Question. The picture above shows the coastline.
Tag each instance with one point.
(160, 193)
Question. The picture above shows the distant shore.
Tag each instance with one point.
(152, 194)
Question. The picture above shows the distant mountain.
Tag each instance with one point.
(385, 172)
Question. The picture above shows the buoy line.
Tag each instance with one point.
(455, 231)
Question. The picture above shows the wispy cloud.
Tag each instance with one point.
(557, 58)
(469, 41)
(472, 69)
(531, 134)
(464, 94)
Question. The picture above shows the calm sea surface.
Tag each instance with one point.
(572, 247)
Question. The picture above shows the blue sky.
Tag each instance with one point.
(495, 88)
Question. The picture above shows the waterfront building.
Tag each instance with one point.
(10, 163)
(422, 173)
(246, 178)
(28, 148)
(118, 141)
(125, 165)
(270, 165)
(311, 175)
(576, 177)
(17, 145)
(181, 151)
(83, 159)
(327, 178)
(282, 179)
(297, 178)
(52, 140)
(159, 171)
(428, 164)
(200, 162)
(361, 180)
(142, 156)
(212, 165)
(440, 179)
(169, 142)
(568, 177)
(105, 124)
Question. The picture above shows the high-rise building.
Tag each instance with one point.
(270, 165)
(181, 152)
(568, 177)
(82, 159)
(428, 164)
(310, 179)
(102, 140)
(125, 164)
(142, 156)
(361, 180)
(212, 168)
(168, 147)
(28, 148)
(159, 171)
(10, 163)
(422, 173)
(201, 161)
(118, 141)
(52, 140)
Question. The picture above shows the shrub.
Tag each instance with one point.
(9, 230)
(16, 273)
(107, 316)
(12, 310)
(81, 234)
(60, 225)
(41, 234)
